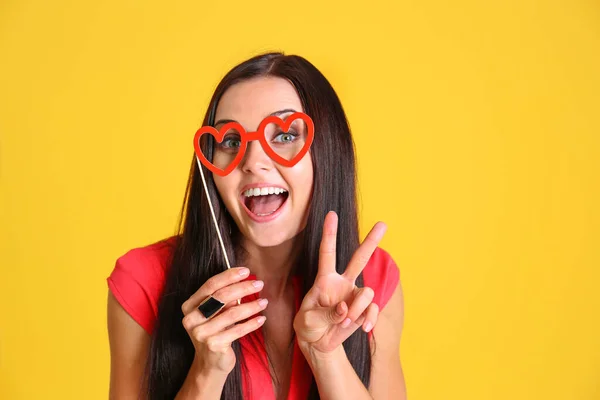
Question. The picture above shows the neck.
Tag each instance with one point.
(273, 265)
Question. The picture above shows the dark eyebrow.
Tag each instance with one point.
(276, 113)
(285, 111)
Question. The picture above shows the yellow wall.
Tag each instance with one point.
(477, 127)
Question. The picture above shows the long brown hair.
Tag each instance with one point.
(197, 255)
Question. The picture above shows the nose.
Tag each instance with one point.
(256, 160)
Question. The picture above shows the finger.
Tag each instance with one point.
(229, 305)
(361, 256)
(327, 250)
(324, 316)
(370, 317)
(225, 338)
(192, 320)
(213, 284)
(195, 318)
(226, 295)
(238, 290)
(230, 317)
(361, 301)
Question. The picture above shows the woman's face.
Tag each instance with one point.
(264, 219)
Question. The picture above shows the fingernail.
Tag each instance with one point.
(368, 326)
(258, 284)
(261, 320)
(263, 302)
(346, 323)
(244, 271)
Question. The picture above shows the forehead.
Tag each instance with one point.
(250, 101)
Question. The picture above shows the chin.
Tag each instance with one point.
(270, 239)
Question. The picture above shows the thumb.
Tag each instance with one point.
(337, 314)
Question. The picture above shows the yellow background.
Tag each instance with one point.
(477, 129)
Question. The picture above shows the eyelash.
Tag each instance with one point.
(224, 144)
(291, 133)
(226, 140)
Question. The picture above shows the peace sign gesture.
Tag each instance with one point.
(335, 307)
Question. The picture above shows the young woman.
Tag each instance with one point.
(312, 299)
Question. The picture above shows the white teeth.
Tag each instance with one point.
(263, 191)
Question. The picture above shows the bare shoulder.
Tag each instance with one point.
(129, 347)
(387, 377)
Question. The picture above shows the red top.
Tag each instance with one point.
(137, 282)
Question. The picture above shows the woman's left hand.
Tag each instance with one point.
(335, 307)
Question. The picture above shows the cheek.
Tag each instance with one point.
(302, 178)
(308, 170)
(224, 185)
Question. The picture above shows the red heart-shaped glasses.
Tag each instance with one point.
(259, 135)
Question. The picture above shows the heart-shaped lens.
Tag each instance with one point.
(288, 140)
(287, 144)
(226, 151)
(228, 147)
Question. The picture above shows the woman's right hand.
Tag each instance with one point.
(212, 337)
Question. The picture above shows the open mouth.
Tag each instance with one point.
(262, 206)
